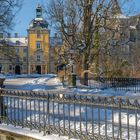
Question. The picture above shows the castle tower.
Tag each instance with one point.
(38, 43)
(115, 7)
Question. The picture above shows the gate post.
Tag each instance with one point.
(72, 80)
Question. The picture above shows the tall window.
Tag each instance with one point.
(10, 67)
(25, 50)
(17, 58)
(38, 45)
(24, 67)
(17, 50)
(38, 57)
(24, 59)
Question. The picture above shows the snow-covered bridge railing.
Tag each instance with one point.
(75, 115)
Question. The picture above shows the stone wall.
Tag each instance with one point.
(6, 135)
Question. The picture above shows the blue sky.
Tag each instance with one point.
(27, 13)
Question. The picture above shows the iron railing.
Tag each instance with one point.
(86, 117)
(125, 84)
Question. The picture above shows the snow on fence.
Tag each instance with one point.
(75, 115)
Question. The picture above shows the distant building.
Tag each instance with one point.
(13, 55)
(123, 45)
(31, 54)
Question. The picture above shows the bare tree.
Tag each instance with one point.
(87, 26)
(8, 10)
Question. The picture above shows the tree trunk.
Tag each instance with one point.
(85, 70)
(96, 60)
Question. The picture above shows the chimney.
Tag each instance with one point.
(9, 35)
(16, 35)
(1, 35)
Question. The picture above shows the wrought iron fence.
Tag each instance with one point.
(116, 83)
(74, 115)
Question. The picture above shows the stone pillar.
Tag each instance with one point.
(45, 69)
(29, 68)
(72, 80)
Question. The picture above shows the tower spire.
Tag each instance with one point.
(115, 7)
(39, 11)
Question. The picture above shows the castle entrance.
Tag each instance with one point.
(38, 69)
(17, 69)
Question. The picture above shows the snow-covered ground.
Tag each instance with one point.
(37, 82)
(33, 82)
(33, 134)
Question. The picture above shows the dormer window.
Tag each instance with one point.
(17, 42)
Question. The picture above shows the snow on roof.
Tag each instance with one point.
(121, 16)
(133, 27)
(17, 41)
(38, 19)
(38, 22)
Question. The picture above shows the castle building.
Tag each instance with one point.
(36, 52)
(31, 54)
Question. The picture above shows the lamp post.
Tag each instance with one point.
(0, 67)
(58, 64)
(71, 59)
(72, 75)
(64, 65)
